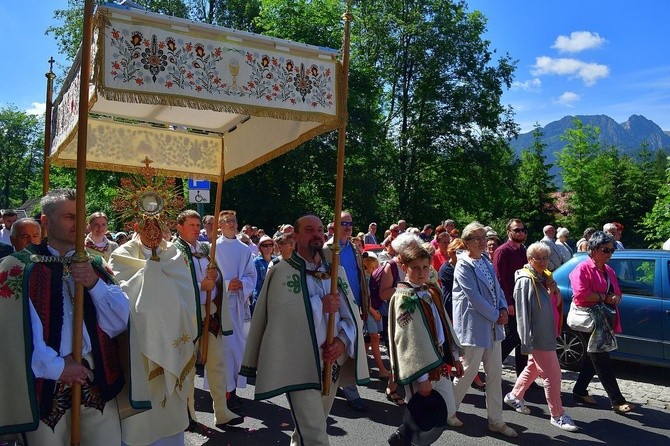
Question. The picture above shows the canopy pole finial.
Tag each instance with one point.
(46, 168)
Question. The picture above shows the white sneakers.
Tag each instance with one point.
(517, 404)
(564, 422)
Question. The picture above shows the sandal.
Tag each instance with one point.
(394, 397)
(623, 408)
(585, 399)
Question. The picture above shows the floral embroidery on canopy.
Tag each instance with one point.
(204, 67)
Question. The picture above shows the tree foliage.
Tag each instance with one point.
(583, 175)
(441, 91)
(535, 186)
(237, 14)
(21, 146)
(657, 221)
(606, 185)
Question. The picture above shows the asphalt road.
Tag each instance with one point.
(269, 422)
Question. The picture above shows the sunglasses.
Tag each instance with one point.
(519, 230)
(606, 250)
(267, 245)
(346, 223)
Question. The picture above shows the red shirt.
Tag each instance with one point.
(508, 259)
(439, 259)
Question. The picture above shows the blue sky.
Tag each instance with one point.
(574, 57)
(583, 57)
(27, 50)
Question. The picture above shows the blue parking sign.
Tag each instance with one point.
(198, 184)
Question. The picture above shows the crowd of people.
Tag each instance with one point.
(440, 301)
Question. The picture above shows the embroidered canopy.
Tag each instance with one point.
(179, 92)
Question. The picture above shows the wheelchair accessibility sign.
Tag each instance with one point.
(198, 196)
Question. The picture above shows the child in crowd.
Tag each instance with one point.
(424, 347)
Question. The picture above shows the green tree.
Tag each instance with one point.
(633, 189)
(441, 87)
(237, 14)
(656, 223)
(535, 185)
(21, 145)
(584, 176)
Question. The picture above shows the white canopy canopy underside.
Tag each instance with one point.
(179, 92)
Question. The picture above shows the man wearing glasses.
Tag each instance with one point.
(511, 256)
(239, 276)
(351, 261)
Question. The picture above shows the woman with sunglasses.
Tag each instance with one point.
(594, 282)
(266, 246)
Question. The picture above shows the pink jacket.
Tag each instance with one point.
(586, 279)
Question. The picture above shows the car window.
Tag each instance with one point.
(636, 276)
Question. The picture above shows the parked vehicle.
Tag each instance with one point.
(644, 278)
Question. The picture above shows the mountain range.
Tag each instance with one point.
(627, 136)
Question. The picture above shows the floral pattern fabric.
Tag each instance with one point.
(150, 59)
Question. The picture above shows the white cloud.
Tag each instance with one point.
(578, 41)
(568, 98)
(588, 72)
(37, 108)
(533, 85)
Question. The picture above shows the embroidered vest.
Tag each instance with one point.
(45, 288)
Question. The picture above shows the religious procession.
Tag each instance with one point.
(108, 330)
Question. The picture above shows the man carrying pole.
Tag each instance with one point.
(288, 333)
(208, 280)
(38, 368)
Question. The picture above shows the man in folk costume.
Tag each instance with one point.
(164, 315)
(351, 261)
(219, 325)
(235, 260)
(424, 346)
(286, 347)
(37, 313)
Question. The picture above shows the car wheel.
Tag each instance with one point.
(571, 349)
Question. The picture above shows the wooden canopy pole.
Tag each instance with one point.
(80, 253)
(47, 126)
(339, 187)
(204, 339)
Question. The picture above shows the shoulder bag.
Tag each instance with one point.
(580, 318)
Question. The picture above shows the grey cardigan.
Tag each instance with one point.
(534, 312)
(475, 308)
